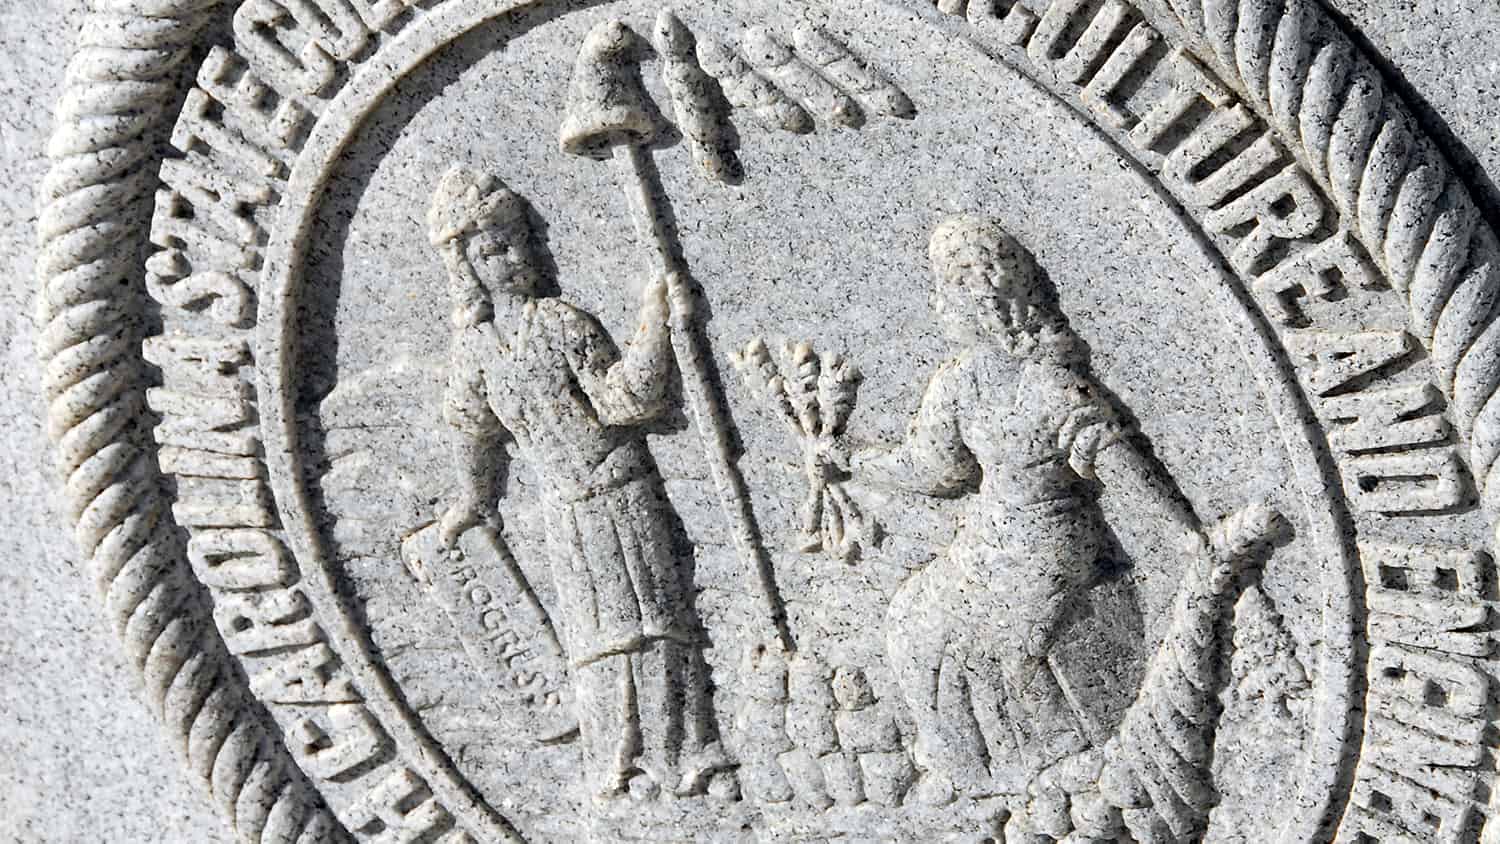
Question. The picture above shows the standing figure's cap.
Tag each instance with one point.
(466, 200)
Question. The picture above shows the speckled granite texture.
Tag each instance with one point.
(83, 758)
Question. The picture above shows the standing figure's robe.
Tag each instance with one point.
(552, 380)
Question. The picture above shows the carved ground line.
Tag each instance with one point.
(116, 108)
(1416, 219)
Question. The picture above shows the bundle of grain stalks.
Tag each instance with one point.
(813, 395)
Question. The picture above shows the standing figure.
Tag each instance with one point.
(1016, 424)
(545, 374)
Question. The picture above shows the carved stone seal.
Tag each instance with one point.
(980, 420)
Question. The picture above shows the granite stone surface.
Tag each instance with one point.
(973, 421)
(81, 755)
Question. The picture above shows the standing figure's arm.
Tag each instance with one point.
(934, 459)
(629, 389)
(475, 434)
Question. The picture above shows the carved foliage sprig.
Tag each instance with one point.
(694, 102)
(790, 85)
(813, 395)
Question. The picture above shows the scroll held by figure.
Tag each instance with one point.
(545, 376)
(1016, 425)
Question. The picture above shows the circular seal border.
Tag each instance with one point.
(125, 75)
(1288, 61)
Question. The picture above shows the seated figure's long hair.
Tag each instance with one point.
(1015, 304)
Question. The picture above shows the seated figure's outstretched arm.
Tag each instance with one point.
(1101, 449)
(1129, 473)
(933, 460)
(628, 389)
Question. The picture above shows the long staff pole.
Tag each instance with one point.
(637, 181)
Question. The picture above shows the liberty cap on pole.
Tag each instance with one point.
(606, 105)
(608, 115)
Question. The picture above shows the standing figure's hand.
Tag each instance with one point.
(458, 518)
(679, 301)
(655, 310)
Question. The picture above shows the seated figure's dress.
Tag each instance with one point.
(970, 635)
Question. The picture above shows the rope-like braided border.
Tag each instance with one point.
(116, 108)
(1390, 183)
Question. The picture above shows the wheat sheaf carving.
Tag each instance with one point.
(120, 89)
(1400, 196)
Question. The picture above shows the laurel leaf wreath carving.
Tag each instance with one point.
(1398, 194)
(1391, 184)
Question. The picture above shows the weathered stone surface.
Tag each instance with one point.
(82, 757)
(983, 457)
